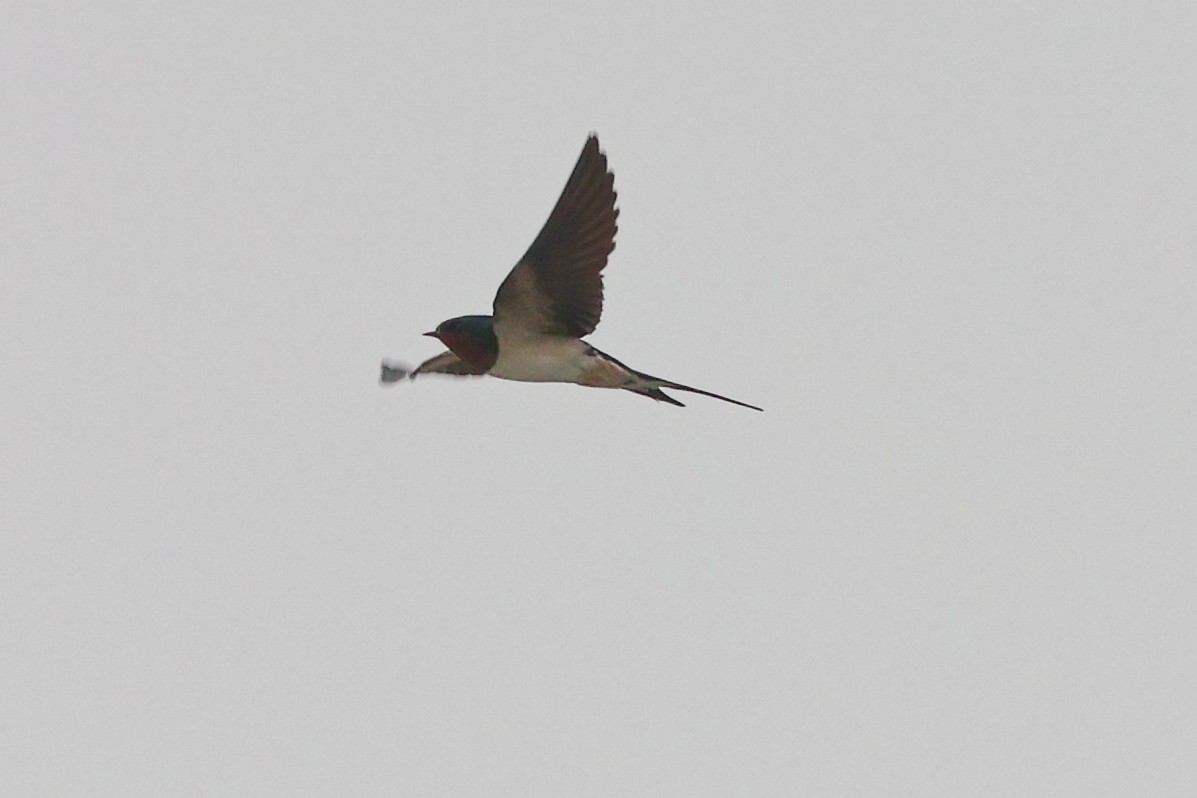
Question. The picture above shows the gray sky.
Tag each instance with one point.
(949, 248)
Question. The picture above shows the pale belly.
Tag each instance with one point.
(542, 359)
(555, 359)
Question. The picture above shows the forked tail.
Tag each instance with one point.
(651, 386)
(653, 390)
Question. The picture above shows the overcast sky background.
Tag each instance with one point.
(949, 247)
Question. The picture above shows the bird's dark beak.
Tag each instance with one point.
(433, 334)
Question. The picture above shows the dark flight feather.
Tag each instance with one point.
(557, 286)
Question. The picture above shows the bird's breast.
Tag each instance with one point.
(472, 350)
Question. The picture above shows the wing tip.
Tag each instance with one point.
(394, 372)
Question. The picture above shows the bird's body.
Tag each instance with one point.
(543, 358)
(549, 302)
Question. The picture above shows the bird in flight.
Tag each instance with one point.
(549, 302)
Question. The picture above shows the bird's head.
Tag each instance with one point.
(471, 338)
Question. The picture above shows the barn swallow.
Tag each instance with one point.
(551, 299)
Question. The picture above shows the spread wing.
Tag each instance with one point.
(444, 363)
(557, 287)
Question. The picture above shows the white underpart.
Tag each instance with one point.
(545, 358)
